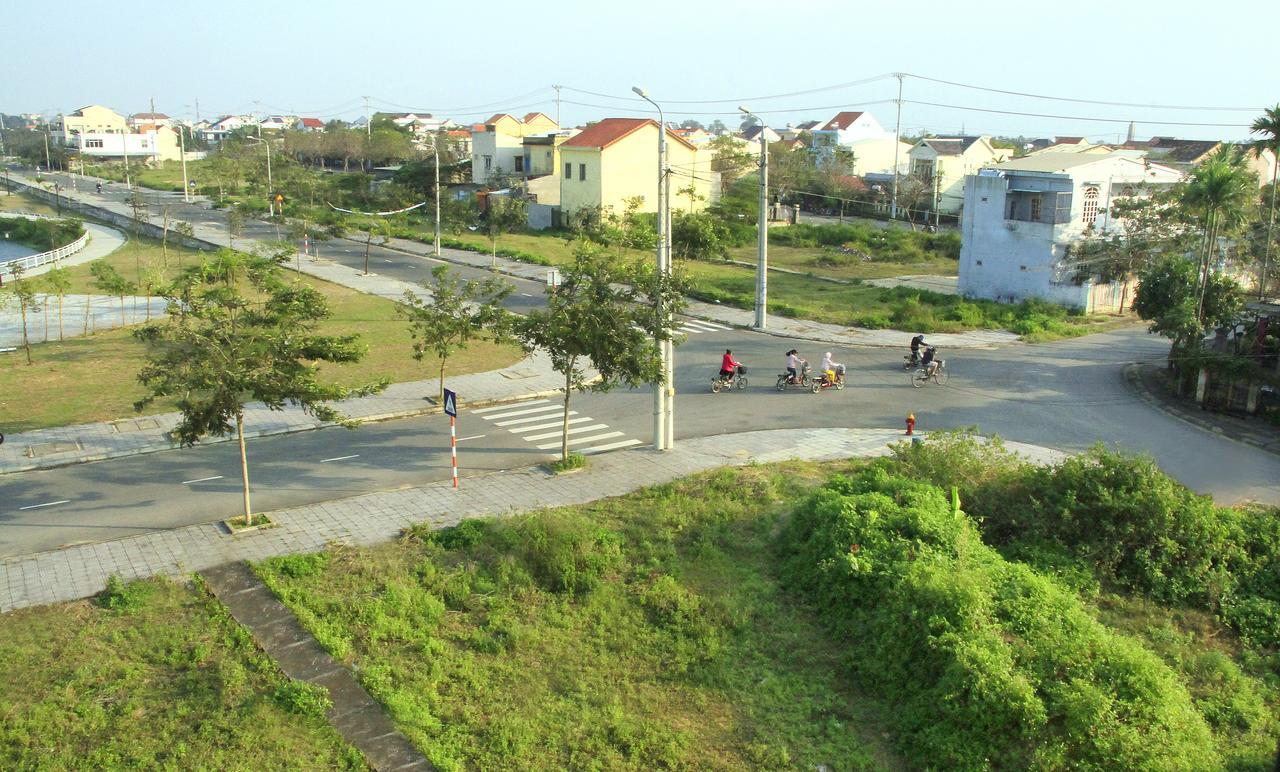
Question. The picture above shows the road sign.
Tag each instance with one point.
(450, 403)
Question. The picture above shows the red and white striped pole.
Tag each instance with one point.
(453, 441)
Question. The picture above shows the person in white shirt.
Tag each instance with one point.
(794, 363)
(833, 370)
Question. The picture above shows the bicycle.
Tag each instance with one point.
(740, 378)
(939, 376)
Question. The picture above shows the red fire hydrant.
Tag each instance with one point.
(911, 423)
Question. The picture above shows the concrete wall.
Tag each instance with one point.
(575, 191)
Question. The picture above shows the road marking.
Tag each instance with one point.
(202, 479)
(551, 425)
(49, 504)
(702, 326)
(525, 295)
(386, 261)
(541, 417)
(610, 446)
(472, 437)
(572, 430)
(506, 407)
(339, 458)
(579, 440)
(526, 411)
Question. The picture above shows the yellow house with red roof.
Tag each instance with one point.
(616, 159)
(497, 145)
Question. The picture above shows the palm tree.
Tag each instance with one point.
(1218, 193)
(1268, 126)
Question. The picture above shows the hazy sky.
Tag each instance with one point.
(467, 60)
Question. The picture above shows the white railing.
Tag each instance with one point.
(44, 258)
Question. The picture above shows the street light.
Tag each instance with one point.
(270, 186)
(436, 152)
(762, 247)
(182, 148)
(664, 391)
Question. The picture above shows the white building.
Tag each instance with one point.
(1024, 219)
(149, 119)
(221, 128)
(159, 144)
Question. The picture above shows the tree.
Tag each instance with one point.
(111, 282)
(244, 334)
(717, 127)
(23, 294)
(603, 313)
(1169, 298)
(377, 227)
(187, 231)
(699, 236)
(731, 158)
(235, 225)
(690, 124)
(1218, 193)
(1152, 228)
(505, 214)
(458, 312)
(1268, 126)
(58, 280)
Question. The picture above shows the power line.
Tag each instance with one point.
(485, 106)
(757, 98)
(1084, 101)
(1075, 117)
(735, 112)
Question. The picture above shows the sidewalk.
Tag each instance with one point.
(1148, 381)
(81, 571)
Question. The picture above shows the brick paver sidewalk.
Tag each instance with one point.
(81, 571)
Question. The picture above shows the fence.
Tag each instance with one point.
(35, 261)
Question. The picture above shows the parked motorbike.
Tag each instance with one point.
(802, 380)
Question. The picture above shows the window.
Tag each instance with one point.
(1035, 209)
(93, 143)
(519, 162)
(923, 170)
(582, 171)
(1013, 209)
(568, 171)
(488, 163)
(1090, 206)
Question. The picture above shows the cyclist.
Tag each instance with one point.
(928, 361)
(916, 343)
(728, 366)
(833, 370)
(794, 363)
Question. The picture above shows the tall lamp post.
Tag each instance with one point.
(436, 152)
(270, 186)
(182, 149)
(762, 247)
(663, 391)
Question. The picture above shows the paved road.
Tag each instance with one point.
(1066, 395)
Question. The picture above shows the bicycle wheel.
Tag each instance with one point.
(716, 385)
(782, 383)
(742, 382)
(816, 386)
(940, 377)
(918, 378)
(840, 385)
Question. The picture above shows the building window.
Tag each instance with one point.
(488, 163)
(568, 171)
(582, 171)
(1090, 206)
(93, 143)
(1013, 209)
(519, 162)
(1035, 209)
(923, 170)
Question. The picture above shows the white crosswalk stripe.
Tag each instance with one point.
(697, 325)
(541, 419)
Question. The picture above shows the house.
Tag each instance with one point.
(752, 134)
(943, 163)
(792, 133)
(1185, 154)
(149, 119)
(94, 119)
(695, 136)
(859, 130)
(151, 144)
(278, 122)
(222, 128)
(1023, 222)
(499, 147)
(459, 140)
(310, 124)
(616, 159)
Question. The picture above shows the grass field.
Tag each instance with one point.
(93, 378)
(634, 633)
(155, 675)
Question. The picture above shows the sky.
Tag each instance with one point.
(1210, 67)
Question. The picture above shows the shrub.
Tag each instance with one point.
(299, 566)
(303, 699)
(565, 553)
(123, 596)
(988, 663)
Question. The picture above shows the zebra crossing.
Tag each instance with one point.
(694, 327)
(540, 422)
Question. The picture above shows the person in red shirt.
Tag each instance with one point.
(728, 366)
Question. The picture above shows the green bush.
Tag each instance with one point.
(123, 596)
(987, 663)
(303, 699)
(41, 234)
(299, 566)
(564, 553)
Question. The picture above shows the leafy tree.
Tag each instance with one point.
(690, 124)
(58, 280)
(505, 215)
(235, 225)
(1152, 228)
(1267, 126)
(458, 312)
(21, 293)
(1169, 299)
(244, 334)
(370, 229)
(603, 315)
(630, 230)
(731, 158)
(187, 231)
(717, 127)
(1218, 193)
(699, 236)
(111, 282)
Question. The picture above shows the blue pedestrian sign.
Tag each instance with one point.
(450, 404)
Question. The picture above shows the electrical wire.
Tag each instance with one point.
(484, 107)
(1074, 117)
(735, 112)
(1080, 101)
(739, 100)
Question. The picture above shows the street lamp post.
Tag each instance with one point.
(270, 186)
(182, 149)
(762, 246)
(663, 391)
(436, 152)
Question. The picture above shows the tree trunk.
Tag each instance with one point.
(44, 311)
(244, 467)
(60, 316)
(88, 311)
(26, 343)
(122, 321)
(442, 362)
(564, 438)
(366, 252)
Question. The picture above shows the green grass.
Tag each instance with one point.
(155, 675)
(21, 203)
(87, 379)
(634, 633)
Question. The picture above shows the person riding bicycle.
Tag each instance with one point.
(728, 366)
(794, 363)
(833, 370)
(916, 343)
(99, 188)
(928, 362)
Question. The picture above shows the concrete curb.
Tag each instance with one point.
(1133, 377)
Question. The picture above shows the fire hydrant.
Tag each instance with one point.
(911, 423)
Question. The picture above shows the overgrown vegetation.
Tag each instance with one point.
(41, 234)
(153, 675)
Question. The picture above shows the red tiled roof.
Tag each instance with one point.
(841, 121)
(530, 116)
(313, 123)
(497, 117)
(608, 131)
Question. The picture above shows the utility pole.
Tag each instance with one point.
(368, 119)
(557, 88)
(762, 247)
(197, 109)
(182, 150)
(897, 140)
(436, 152)
(256, 120)
(48, 165)
(663, 391)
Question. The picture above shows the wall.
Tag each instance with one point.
(575, 193)
(875, 156)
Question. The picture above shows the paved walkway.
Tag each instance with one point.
(81, 571)
(1149, 382)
